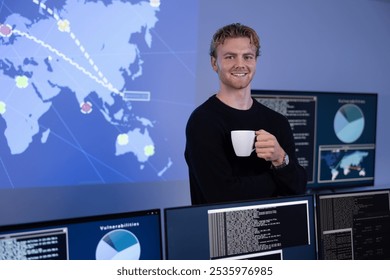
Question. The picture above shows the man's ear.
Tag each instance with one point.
(214, 63)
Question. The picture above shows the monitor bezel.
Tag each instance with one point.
(344, 192)
(316, 186)
(38, 225)
(252, 202)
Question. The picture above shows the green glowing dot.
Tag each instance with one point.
(149, 150)
(122, 139)
(63, 25)
(2, 107)
(21, 81)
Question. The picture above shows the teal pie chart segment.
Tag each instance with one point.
(349, 123)
(118, 245)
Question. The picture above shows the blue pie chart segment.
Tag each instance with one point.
(349, 123)
(118, 245)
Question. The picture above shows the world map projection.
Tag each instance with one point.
(86, 91)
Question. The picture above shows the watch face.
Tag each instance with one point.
(286, 159)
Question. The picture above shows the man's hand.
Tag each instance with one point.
(268, 148)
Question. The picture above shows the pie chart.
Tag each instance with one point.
(349, 123)
(118, 245)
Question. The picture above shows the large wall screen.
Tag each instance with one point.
(87, 103)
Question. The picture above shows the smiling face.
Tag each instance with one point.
(235, 63)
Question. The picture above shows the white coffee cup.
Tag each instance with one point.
(243, 142)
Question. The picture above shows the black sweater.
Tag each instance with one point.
(218, 175)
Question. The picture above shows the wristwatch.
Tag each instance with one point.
(286, 161)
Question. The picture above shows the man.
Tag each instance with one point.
(216, 173)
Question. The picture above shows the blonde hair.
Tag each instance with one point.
(235, 30)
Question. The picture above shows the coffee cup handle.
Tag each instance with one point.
(254, 142)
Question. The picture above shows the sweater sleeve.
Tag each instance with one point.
(292, 179)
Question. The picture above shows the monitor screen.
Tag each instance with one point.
(279, 228)
(123, 236)
(354, 225)
(335, 134)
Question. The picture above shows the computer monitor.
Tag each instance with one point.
(334, 133)
(121, 236)
(354, 225)
(279, 228)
